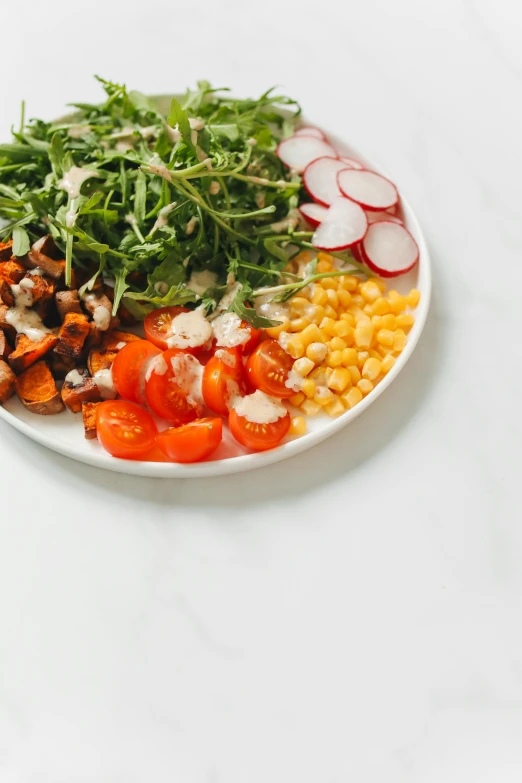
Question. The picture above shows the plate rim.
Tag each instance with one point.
(242, 463)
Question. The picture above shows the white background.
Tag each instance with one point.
(353, 614)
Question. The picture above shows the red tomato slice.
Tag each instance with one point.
(124, 429)
(268, 367)
(258, 437)
(129, 368)
(255, 336)
(223, 379)
(157, 325)
(192, 442)
(163, 394)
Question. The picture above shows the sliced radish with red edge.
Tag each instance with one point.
(320, 179)
(307, 130)
(298, 151)
(389, 249)
(344, 225)
(350, 162)
(367, 188)
(378, 217)
(313, 213)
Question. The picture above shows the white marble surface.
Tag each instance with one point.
(355, 613)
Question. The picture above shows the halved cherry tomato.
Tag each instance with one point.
(223, 378)
(268, 367)
(259, 437)
(124, 429)
(164, 395)
(191, 442)
(255, 336)
(157, 325)
(129, 368)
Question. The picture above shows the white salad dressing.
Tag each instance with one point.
(78, 131)
(75, 378)
(158, 365)
(161, 287)
(259, 408)
(163, 215)
(174, 134)
(161, 171)
(20, 317)
(120, 345)
(294, 381)
(191, 225)
(227, 299)
(188, 373)
(228, 331)
(189, 330)
(214, 187)
(104, 382)
(289, 223)
(200, 281)
(102, 318)
(73, 180)
(196, 123)
(233, 393)
(275, 311)
(226, 357)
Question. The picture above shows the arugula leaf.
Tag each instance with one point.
(179, 117)
(248, 313)
(21, 242)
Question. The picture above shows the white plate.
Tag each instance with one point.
(64, 433)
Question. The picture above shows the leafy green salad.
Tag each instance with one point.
(166, 200)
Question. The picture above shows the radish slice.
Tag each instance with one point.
(307, 130)
(344, 225)
(320, 179)
(298, 151)
(389, 249)
(313, 213)
(370, 190)
(351, 163)
(378, 217)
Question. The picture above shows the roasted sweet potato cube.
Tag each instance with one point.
(37, 390)
(60, 365)
(7, 382)
(89, 419)
(6, 250)
(72, 335)
(50, 267)
(5, 348)
(67, 302)
(113, 340)
(47, 246)
(12, 270)
(6, 295)
(99, 306)
(9, 330)
(27, 352)
(102, 358)
(79, 390)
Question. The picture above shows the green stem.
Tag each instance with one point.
(279, 289)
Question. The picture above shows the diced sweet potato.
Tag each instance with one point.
(6, 295)
(41, 287)
(50, 267)
(47, 246)
(37, 390)
(27, 352)
(67, 302)
(5, 348)
(72, 335)
(6, 327)
(75, 394)
(6, 250)
(112, 340)
(102, 358)
(89, 419)
(12, 270)
(60, 365)
(7, 382)
(95, 300)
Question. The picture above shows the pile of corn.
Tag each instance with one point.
(344, 334)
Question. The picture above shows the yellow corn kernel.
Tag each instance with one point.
(368, 310)
(377, 322)
(385, 337)
(333, 299)
(343, 328)
(380, 283)
(335, 407)
(348, 283)
(355, 373)
(359, 315)
(352, 397)
(303, 366)
(382, 350)
(399, 340)
(363, 334)
(299, 324)
(310, 407)
(358, 300)
(329, 284)
(337, 344)
(323, 395)
(334, 359)
(371, 369)
(327, 373)
(413, 298)
(340, 379)
(365, 386)
(324, 263)
(314, 313)
(370, 291)
(308, 387)
(348, 317)
(389, 322)
(297, 426)
(387, 363)
(316, 352)
(293, 345)
(397, 301)
(297, 399)
(275, 331)
(405, 321)
(329, 312)
(318, 375)
(345, 298)
(310, 334)
(381, 306)
(319, 296)
(299, 306)
(375, 354)
(361, 358)
(328, 325)
(349, 357)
